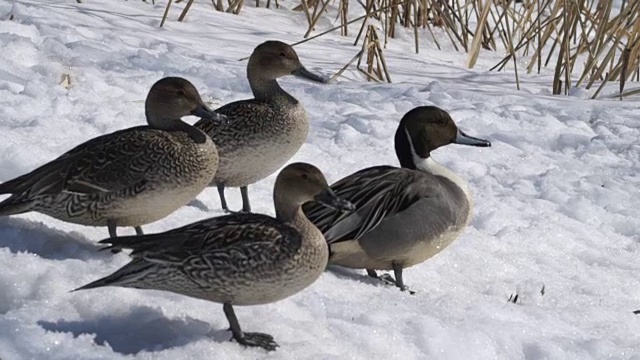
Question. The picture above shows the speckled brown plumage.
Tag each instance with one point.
(264, 132)
(127, 178)
(239, 259)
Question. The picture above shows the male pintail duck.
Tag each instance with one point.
(130, 177)
(265, 132)
(404, 215)
(237, 259)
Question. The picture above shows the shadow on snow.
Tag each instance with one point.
(19, 235)
(141, 329)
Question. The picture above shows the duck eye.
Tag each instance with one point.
(181, 93)
(304, 176)
(282, 54)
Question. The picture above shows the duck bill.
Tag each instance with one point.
(202, 111)
(464, 139)
(330, 199)
(302, 72)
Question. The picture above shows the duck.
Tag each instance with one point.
(130, 177)
(407, 214)
(263, 133)
(239, 259)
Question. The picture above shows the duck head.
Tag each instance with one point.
(424, 129)
(273, 59)
(299, 183)
(171, 98)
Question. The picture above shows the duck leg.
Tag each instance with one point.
(264, 341)
(138, 230)
(386, 278)
(244, 191)
(397, 271)
(111, 226)
(223, 200)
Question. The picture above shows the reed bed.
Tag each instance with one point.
(586, 43)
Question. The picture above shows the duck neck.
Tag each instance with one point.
(289, 211)
(268, 90)
(404, 149)
(162, 123)
(299, 221)
(285, 210)
(298, 218)
(410, 159)
(169, 124)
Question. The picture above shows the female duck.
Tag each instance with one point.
(130, 177)
(405, 215)
(265, 132)
(238, 259)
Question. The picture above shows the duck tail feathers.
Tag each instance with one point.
(130, 275)
(13, 206)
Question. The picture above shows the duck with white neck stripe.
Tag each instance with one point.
(404, 215)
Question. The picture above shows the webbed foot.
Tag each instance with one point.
(389, 280)
(256, 339)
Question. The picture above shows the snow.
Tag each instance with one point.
(556, 196)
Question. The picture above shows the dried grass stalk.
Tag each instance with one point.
(477, 38)
(376, 65)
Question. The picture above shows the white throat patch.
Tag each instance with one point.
(432, 167)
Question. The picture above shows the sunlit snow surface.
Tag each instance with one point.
(556, 196)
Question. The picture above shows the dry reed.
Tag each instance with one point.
(585, 42)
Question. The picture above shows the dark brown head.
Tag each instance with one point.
(171, 98)
(424, 129)
(273, 59)
(299, 183)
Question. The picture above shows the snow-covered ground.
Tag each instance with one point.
(557, 197)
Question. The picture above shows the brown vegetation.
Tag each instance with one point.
(586, 42)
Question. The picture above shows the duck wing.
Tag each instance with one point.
(232, 244)
(237, 240)
(107, 163)
(377, 193)
(241, 114)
